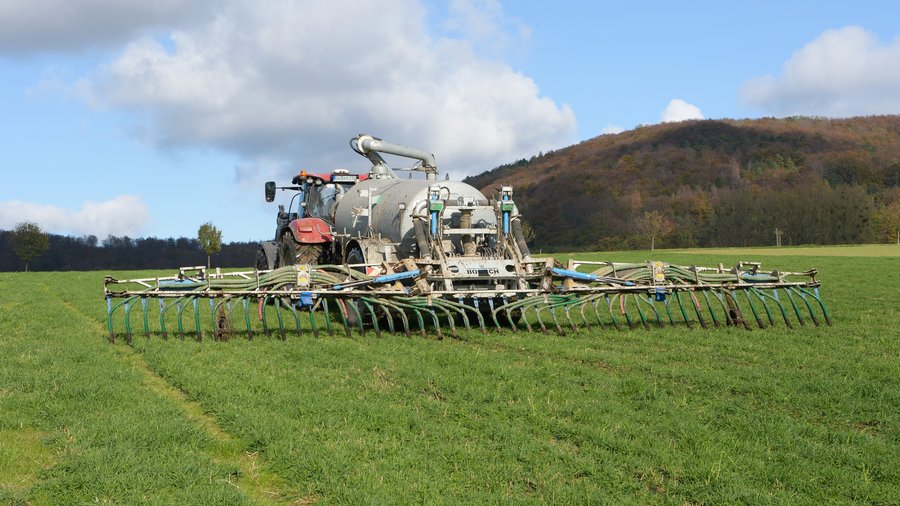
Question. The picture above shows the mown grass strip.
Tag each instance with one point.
(254, 480)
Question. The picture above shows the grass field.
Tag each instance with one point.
(809, 415)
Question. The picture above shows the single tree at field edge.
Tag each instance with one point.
(29, 241)
(210, 240)
(655, 224)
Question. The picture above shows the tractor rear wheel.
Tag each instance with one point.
(292, 252)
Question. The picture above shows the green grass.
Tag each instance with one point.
(810, 415)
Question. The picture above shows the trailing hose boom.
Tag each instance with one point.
(358, 252)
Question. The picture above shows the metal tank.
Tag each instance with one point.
(387, 208)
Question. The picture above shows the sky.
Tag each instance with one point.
(137, 118)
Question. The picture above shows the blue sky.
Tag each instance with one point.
(149, 118)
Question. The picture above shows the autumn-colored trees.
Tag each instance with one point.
(655, 225)
(887, 223)
(719, 183)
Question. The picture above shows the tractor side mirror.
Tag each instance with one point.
(270, 191)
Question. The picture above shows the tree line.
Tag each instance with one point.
(88, 253)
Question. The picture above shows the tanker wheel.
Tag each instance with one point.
(292, 252)
(355, 256)
(504, 319)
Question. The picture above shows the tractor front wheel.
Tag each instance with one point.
(262, 263)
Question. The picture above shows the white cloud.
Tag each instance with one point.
(293, 82)
(123, 215)
(483, 23)
(679, 110)
(31, 26)
(843, 72)
(612, 129)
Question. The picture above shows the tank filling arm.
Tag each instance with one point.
(370, 147)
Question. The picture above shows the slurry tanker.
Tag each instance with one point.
(373, 251)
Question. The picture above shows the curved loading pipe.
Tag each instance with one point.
(520, 238)
(421, 241)
(369, 147)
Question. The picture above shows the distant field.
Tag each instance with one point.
(866, 250)
(852, 250)
(809, 415)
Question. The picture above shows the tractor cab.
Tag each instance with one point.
(318, 193)
(303, 230)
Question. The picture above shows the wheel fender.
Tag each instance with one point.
(311, 231)
(374, 251)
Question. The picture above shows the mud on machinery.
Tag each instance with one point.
(373, 251)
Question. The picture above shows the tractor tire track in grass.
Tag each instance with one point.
(254, 480)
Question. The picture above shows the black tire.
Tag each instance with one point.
(292, 252)
(502, 317)
(504, 320)
(355, 256)
(262, 263)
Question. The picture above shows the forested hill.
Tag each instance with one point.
(714, 183)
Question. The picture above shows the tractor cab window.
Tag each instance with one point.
(321, 200)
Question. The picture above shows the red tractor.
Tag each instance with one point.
(304, 232)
